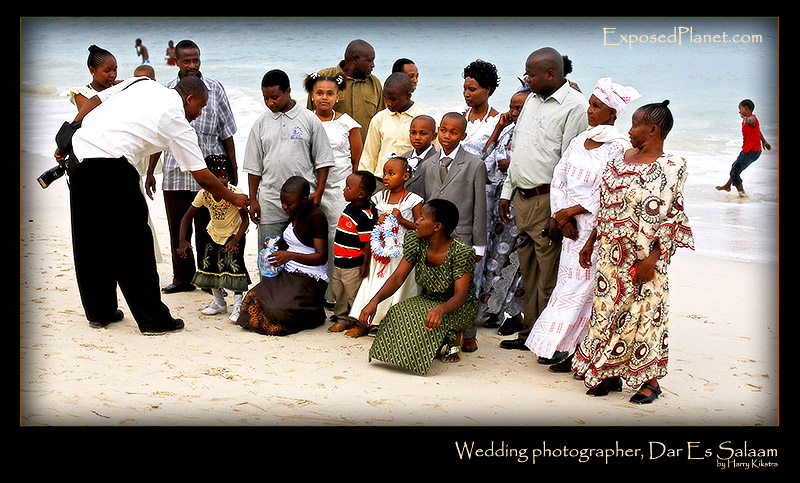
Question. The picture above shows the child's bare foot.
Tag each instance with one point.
(723, 188)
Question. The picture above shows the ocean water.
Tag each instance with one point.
(704, 66)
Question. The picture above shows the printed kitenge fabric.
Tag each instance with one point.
(217, 267)
(576, 181)
(500, 284)
(628, 334)
(402, 338)
(220, 268)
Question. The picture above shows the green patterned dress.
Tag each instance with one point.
(403, 339)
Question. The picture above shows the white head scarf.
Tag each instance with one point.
(615, 96)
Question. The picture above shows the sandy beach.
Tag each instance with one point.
(723, 369)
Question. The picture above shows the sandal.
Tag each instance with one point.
(605, 387)
(640, 398)
(450, 347)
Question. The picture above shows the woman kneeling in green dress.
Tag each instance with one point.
(429, 325)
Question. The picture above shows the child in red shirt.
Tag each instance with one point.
(751, 146)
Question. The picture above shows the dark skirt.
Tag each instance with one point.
(219, 268)
(285, 304)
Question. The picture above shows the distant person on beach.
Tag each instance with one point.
(409, 68)
(293, 300)
(535, 151)
(141, 51)
(215, 128)
(574, 202)
(753, 139)
(287, 140)
(103, 69)
(221, 265)
(351, 247)
(169, 56)
(362, 96)
(389, 129)
(641, 222)
(430, 325)
(104, 188)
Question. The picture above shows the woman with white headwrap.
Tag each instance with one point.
(574, 203)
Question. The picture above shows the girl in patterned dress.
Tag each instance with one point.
(221, 266)
(640, 224)
(500, 285)
(430, 324)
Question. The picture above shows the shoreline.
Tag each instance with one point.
(723, 369)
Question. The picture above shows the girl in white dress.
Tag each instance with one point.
(398, 209)
(345, 138)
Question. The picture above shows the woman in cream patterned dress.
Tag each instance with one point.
(640, 225)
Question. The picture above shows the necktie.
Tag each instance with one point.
(444, 163)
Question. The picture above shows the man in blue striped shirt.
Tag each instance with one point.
(215, 129)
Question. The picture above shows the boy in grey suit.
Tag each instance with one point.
(460, 177)
(422, 133)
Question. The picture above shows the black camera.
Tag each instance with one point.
(52, 174)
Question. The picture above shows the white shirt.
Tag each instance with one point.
(136, 120)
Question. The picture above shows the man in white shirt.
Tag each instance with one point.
(112, 242)
(551, 116)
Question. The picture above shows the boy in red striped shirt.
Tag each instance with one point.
(351, 247)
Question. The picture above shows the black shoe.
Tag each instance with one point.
(492, 321)
(178, 326)
(517, 344)
(510, 326)
(605, 387)
(557, 357)
(175, 288)
(100, 324)
(640, 398)
(563, 366)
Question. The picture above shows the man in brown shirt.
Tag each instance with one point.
(362, 96)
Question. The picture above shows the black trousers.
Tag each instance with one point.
(177, 203)
(113, 245)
